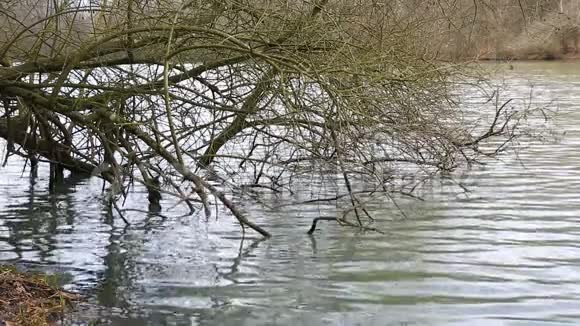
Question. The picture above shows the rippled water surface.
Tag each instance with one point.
(507, 253)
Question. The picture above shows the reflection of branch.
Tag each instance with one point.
(113, 203)
(315, 221)
(343, 222)
(165, 217)
(337, 197)
(312, 243)
(240, 258)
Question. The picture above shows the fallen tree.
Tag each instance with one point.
(194, 98)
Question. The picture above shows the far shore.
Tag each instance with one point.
(548, 56)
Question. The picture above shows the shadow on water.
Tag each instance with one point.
(505, 253)
(37, 217)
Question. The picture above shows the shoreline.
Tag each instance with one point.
(31, 298)
(533, 57)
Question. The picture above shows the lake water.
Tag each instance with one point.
(506, 253)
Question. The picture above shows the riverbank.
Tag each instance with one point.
(31, 299)
(544, 56)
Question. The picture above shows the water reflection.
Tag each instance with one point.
(504, 253)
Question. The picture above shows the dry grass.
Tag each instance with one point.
(31, 299)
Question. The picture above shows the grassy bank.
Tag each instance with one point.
(31, 299)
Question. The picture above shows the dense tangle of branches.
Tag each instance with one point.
(194, 98)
